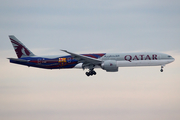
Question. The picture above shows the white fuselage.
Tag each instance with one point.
(136, 59)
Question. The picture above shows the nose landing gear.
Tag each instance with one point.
(161, 69)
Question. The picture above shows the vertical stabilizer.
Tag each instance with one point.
(20, 49)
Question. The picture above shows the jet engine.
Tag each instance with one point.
(110, 66)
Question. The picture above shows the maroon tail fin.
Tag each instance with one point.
(20, 49)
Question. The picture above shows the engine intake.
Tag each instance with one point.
(110, 66)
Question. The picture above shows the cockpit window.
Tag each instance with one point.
(169, 56)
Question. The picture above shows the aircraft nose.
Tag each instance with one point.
(173, 59)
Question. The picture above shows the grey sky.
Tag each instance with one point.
(117, 25)
(83, 27)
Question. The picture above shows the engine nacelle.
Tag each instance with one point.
(110, 66)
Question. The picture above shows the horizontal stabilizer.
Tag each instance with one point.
(18, 60)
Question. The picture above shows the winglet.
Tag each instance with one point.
(66, 51)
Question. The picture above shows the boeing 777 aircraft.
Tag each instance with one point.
(107, 61)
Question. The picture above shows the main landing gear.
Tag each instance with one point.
(161, 69)
(91, 72)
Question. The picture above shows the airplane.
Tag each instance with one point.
(106, 61)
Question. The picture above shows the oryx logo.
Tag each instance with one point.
(20, 49)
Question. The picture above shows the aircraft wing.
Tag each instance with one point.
(84, 59)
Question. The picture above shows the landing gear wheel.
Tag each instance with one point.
(92, 72)
(87, 73)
